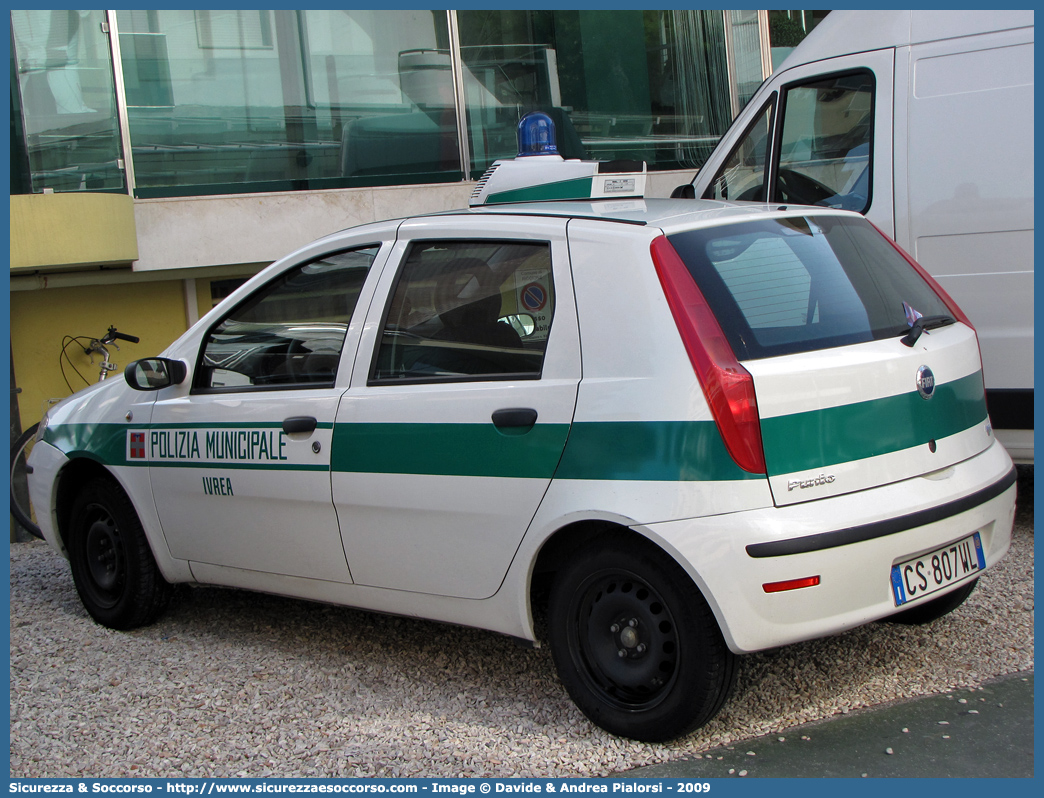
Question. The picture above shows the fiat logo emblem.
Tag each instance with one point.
(925, 382)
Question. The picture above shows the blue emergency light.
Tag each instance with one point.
(536, 135)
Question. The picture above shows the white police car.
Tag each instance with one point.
(708, 428)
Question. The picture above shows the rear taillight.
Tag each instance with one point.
(728, 386)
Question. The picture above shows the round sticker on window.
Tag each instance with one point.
(534, 297)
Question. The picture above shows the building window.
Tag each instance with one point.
(243, 101)
(788, 28)
(234, 30)
(273, 100)
(68, 103)
(647, 85)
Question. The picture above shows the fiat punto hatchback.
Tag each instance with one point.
(690, 429)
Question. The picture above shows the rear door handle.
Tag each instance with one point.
(299, 424)
(515, 417)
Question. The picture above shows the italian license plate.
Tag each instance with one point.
(935, 570)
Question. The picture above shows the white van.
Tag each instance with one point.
(923, 122)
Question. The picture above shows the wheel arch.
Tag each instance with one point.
(76, 473)
(570, 538)
(559, 547)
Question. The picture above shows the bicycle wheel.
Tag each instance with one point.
(21, 508)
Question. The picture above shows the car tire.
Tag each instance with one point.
(933, 609)
(112, 565)
(635, 643)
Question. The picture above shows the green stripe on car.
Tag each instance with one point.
(562, 190)
(805, 441)
(666, 451)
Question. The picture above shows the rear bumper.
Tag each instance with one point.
(850, 542)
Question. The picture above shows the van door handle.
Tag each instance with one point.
(515, 417)
(299, 424)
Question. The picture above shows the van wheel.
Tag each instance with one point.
(635, 643)
(934, 609)
(112, 565)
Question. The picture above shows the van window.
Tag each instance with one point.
(467, 310)
(825, 145)
(742, 177)
(801, 284)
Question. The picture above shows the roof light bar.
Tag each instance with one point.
(538, 173)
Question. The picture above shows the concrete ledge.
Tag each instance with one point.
(71, 230)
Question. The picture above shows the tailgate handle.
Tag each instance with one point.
(515, 417)
(299, 424)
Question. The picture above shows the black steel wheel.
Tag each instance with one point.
(21, 508)
(112, 565)
(635, 643)
(935, 608)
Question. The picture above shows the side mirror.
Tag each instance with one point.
(154, 373)
(523, 323)
(687, 191)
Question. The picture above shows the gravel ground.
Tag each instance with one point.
(231, 683)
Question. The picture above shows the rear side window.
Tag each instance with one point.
(468, 310)
(800, 284)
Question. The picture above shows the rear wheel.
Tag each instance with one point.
(112, 565)
(635, 643)
(933, 609)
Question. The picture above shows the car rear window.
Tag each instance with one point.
(803, 283)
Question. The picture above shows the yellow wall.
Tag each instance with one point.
(154, 311)
(71, 229)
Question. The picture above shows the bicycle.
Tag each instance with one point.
(21, 507)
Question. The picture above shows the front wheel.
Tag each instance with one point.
(635, 643)
(112, 565)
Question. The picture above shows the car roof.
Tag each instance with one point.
(666, 214)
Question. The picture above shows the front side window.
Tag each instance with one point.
(801, 284)
(825, 145)
(742, 177)
(467, 310)
(288, 334)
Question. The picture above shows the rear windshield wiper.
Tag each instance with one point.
(925, 323)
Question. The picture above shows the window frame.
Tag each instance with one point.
(780, 123)
(372, 381)
(199, 370)
(772, 105)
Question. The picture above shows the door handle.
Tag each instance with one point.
(515, 417)
(299, 424)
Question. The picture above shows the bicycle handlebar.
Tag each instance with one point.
(112, 335)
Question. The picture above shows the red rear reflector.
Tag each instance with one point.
(728, 386)
(791, 584)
